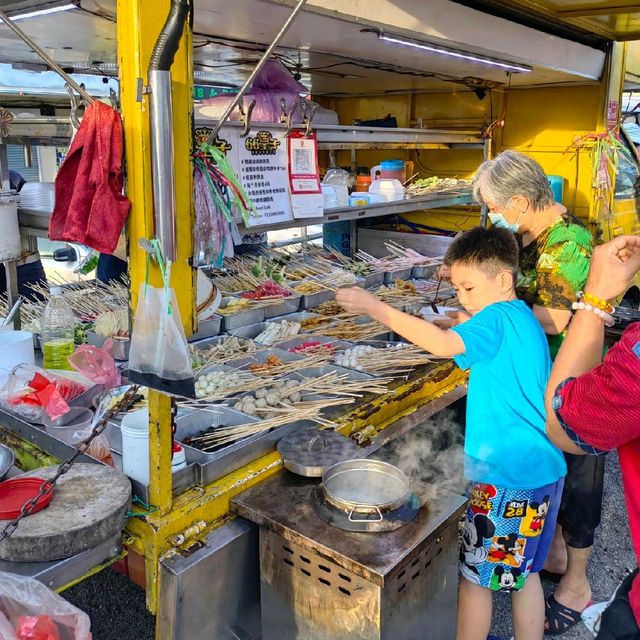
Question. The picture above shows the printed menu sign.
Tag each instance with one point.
(264, 173)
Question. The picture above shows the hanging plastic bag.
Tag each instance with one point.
(31, 611)
(272, 85)
(31, 392)
(159, 354)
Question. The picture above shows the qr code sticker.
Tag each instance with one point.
(302, 161)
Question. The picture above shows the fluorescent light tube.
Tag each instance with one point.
(42, 12)
(462, 55)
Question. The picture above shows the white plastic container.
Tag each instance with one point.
(179, 459)
(76, 419)
(135, 445)
(16, 347)
(10, 247)
(390, 190)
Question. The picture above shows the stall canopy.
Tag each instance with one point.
(341, 47)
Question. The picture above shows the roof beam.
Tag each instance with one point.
(604, 9)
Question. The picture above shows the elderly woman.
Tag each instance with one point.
(555, 249)
(594, 406)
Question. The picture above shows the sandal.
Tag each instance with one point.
(560, 618)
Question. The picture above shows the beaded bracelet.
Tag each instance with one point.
(594, 301)
(585, 306)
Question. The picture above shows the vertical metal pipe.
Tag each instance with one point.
(162, 155)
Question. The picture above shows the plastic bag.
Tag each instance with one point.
(31, 611)
(30, 392)
(159, 355)
(96, 364)
(273, 84)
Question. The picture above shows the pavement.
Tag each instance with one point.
(117, 610)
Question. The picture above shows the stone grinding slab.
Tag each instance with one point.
(89, 506)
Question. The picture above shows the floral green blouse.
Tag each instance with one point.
(554, 267)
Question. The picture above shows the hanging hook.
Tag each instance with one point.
(113, 98)
(309, 111)
(287, 116)
(245, 117)
(75, 104)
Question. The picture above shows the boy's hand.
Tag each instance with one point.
(451, 319)
(356, 300)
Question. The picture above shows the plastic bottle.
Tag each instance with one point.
(57, 332)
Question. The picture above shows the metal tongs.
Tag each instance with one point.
(433, 304)
(12, 312)
(626, 314)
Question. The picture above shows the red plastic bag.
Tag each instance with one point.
(31, 611)
(96, 364)
(37, 628)
(30, 392)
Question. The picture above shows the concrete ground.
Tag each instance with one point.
(117, 611)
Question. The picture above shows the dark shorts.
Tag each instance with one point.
(507, 534)
(581, 506)
(28, 274)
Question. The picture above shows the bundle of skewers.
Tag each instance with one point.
(336, 389)
(227, 349)
(426, 186)
(87, 299)
(349, 330)
(390, 360)
(404, 257)
(272, 367)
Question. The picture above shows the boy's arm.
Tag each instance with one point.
(422, 333)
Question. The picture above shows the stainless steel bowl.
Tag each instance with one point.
(365, 486)
(115, 392)
(6, 461)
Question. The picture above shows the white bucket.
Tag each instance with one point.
(10, 246)
(16, 347)
(135, 445)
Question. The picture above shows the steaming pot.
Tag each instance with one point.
(366, 490)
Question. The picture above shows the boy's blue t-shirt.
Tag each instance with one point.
(506, 442)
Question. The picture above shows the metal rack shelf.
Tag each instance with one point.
(433, 201)
(337, 137)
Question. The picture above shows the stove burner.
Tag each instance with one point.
(391, 520)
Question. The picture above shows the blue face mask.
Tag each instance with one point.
(499, 221)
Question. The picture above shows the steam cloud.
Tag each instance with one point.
(431, 455)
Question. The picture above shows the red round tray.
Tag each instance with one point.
(15, 492)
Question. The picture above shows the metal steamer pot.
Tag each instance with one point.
(364, 489)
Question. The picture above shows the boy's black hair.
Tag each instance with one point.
(490, 250)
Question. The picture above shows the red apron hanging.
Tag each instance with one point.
(90, 207)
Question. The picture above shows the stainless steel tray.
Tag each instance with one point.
(282, 307)
(200, 420)
(294, 317)
(374, 279)
(312, 300)
(120, 349)
(207, 328)
(394, 274)
(250, 331)
(424, 272)
(261, 356)
(338, 345)
(242, 318)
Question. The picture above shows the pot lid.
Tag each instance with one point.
(309, 451)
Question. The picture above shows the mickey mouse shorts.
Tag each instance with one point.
(507, 534)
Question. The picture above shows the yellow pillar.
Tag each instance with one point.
(139, 23)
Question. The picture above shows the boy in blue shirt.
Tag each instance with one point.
(516, 473)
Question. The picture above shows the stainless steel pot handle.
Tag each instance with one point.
(352, 519)
(317, 443)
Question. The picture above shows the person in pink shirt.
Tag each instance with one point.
(593, 405)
